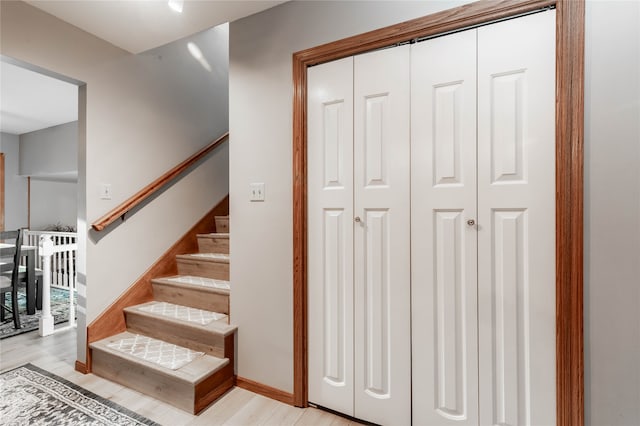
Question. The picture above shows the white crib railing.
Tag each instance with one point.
(63, 263)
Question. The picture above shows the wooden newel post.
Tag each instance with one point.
(46, 320)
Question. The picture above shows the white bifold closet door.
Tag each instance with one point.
(382, 251)
(330, 235)
(359, 230)
(483, 285)
(516, 221)
(444, 246)
(431, 221)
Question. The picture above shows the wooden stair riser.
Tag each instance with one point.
(180, 394)
(222, 223)
(213, 245)
(213, 388)
(195, 338)
(194, 297)
(135, 376)
(203, 268)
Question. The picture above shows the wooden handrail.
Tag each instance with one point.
(154, 186)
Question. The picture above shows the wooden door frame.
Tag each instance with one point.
(569, 176)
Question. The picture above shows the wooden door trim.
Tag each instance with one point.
(569, 176)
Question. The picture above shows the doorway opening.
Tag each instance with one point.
(42, 134)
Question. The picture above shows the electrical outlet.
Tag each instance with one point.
(105, 191)
(256, 191)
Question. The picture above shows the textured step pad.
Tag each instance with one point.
(196, 292)
(201, 282)
(155, 351)
(196, 329)
(153, 367)
(181, 313)
(209, 265)
(213, 243)
(208, 257)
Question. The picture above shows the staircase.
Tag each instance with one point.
(178, 348)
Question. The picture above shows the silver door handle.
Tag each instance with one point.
(471, 222)
(357, 219)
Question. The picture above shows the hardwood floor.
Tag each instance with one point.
(56, 354)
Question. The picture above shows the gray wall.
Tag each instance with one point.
(15, 190)
(50, 157)
(612, 213)
(260, 151)
(260, 92)
(49, 151)
(144, 114)
(53, 202)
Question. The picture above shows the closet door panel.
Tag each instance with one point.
(382, 262)
(443, 245)
(516, 208)
(330, 227)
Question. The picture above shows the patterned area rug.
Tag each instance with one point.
(59, 310)
(32, 396)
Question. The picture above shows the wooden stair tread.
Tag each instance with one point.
(216, 235)
(192, 373)
(191, 281)
(204, 257)
(208, 321)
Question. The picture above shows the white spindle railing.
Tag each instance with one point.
(48, 252)
(63, 263)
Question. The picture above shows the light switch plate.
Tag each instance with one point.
(105, 191)
(256, 191)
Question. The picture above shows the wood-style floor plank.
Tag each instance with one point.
(284, 415)
(57, 354)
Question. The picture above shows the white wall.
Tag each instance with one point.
(53, 202)
(144, 114)
(612, 213)
(15, 189)
(49, 151)
(261, 151)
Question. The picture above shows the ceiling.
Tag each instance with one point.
(32, 101)
(140, 25)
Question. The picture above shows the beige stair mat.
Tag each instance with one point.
(183, 313)
(200, 281)
(212, 256)
(155, 351)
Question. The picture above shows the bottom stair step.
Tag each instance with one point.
(187, 379)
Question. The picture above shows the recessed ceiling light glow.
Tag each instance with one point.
(176, 5)
(197, 54)
(194, 50)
